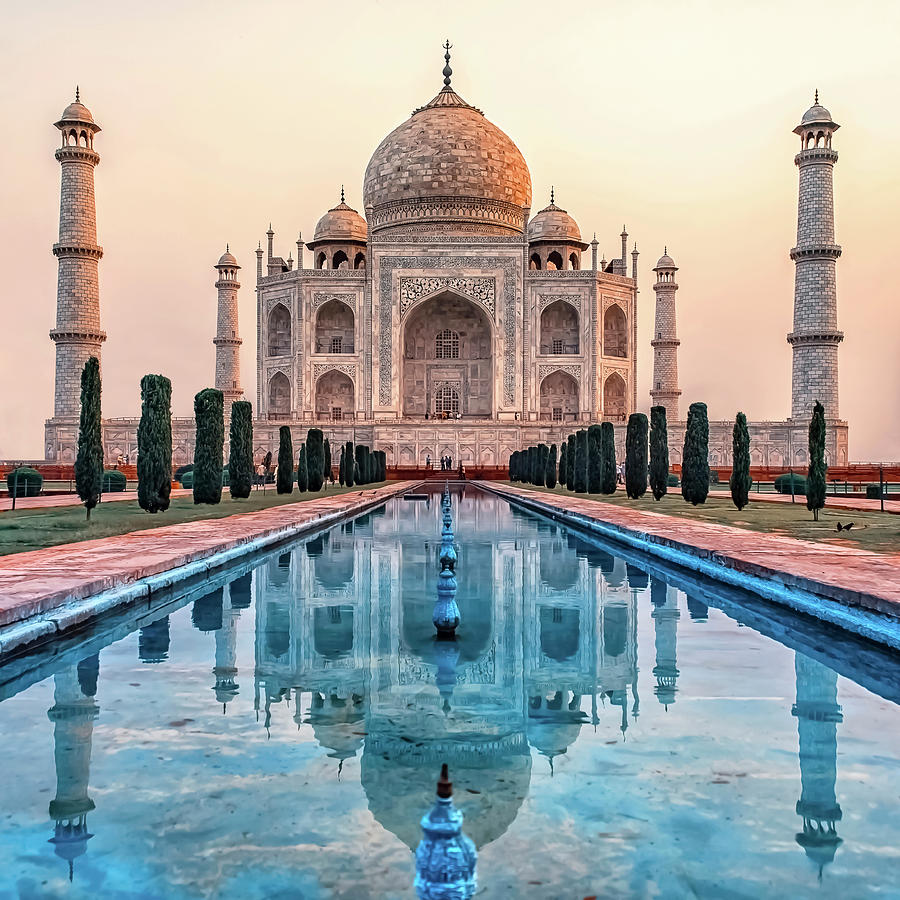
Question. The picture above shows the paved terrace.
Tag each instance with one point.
(39, 582)
(852, 577)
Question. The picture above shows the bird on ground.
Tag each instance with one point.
(846, 527)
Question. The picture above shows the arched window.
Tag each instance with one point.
(573, 261)
(279, 396)
(614, 398)
(446, 344)
(559, 398)
(279, 331)
(615, 332)
(559, 329)
(535, 262)
(446, 401)
(320, 261)
(555, 260)
(335, 328)
(335, 397)
(340, 261)
(360, 261)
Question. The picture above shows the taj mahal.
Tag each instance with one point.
(447, 319)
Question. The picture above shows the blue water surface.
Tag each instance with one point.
(612, 730)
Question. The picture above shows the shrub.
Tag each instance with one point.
(740, 472)
(695, 459)
(815, 479)
(873, 491)
(240, 454)
(672, 480)
(284, 480)
(209, 413)
(114, 481)
(89, 461)
(783, 483)
(187, 480)
(154, 440)
(608, 440)
(713, 476)
(659, 452)
(183, 470)
(315, 458)
(581, 461)
(594, 459)
(302, 470)
(636, 456)
(25, 482)
(550, 477)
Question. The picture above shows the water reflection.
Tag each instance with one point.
(344, 647)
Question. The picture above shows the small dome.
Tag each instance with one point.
(816, 113)
(76, 111)
(665, 262)
(227, 260)
(341, 223)
(554, 224)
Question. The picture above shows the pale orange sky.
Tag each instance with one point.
(672, 117)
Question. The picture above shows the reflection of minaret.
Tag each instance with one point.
(225, 669)
(665, 616)
(817, 713)
(73, 715)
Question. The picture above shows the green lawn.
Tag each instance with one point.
(875, 531)
(31, 529)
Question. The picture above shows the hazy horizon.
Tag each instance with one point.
(673, 118)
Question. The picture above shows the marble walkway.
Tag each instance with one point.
(38, 581)
(853, 577)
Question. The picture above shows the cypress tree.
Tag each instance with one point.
(550, 477)
(695, 459)
(581, 461)
(341, 478)
(740, 480)
(154, 438)
(512, 465)
(89, 461)
(382, 465)
(570, 462)
(543, 456)
(563, 471)
(349, 464)
(815, 478)
(315, 458)
(595, 459)
(326, 462)
(535, 460)
(608, 441)
(209, 413)
(240, 455)
(359, 471)
(284, 481)
(636, 456)
(659, 452)
(302, 470)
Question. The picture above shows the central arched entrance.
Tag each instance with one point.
(447, 368)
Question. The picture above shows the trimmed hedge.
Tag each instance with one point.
(873, 491)
(28, 482)
(673, 481)
(783, 484)
(113, 481)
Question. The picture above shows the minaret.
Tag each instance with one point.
(817, 713)
(77, 334)
(664, 390)
(815, 336)
(665, 618)
(228, 339)
(73, 715)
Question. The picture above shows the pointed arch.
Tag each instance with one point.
(335, 327)
(279, 396)
(614, 398)
(615, 332)
(559, 397)
(279, 331)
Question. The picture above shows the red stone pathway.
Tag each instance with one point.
(40, 580)
(851, 576)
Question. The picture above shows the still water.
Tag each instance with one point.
(611, 730)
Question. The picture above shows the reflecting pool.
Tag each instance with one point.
(611, 728)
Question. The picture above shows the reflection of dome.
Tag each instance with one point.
(490, 776)
(337, 725)
(448, 162)
(552, 738)
(554, 224)
(341, 223)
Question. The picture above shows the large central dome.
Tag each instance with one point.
(447, 169)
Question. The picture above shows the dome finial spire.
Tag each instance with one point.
(552, 195)
(447, 70)
(227, 248)
(817, 95)
(77, 94)
(342, 193)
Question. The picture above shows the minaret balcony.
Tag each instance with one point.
(814, 155)
(816, 251)
(825, 336)
(77, 154)
(74, 248)
(665, 342)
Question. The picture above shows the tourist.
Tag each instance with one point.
(260, 475)
(428, 461)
